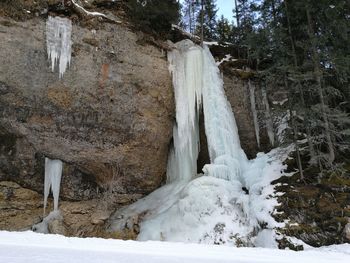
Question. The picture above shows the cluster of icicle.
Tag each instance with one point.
(58, 42)
(53, 174)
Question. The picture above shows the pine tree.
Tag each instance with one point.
(209, 20)
(154, 16)
(223, 29)
(190, 10)
(307, 43)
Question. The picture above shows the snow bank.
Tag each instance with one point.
(23, 247)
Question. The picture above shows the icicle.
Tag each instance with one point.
(269, 124)
(255, 115)
(58, 41)
(53, 174)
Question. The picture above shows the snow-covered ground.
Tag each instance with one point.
(17, 247)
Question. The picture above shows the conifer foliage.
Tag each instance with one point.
(301, 46)
(154, 15)
(307, 45)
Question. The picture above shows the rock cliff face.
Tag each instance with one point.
(109, 119)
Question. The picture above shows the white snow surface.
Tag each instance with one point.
(58, 42)
(229, 203)
(23, 247)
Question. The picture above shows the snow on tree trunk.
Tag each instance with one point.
(268, 118)
(58, 43)
(254, 112)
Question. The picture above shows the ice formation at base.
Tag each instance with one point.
(58, 42)
(53, 174)
(233, 201)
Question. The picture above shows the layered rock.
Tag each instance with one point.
(109, 119)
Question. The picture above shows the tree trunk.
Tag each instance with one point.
(318, 78)
(190, 16)
(295, 130)
(202, 22)
(273, 6)
(237, 15)
(300, 88)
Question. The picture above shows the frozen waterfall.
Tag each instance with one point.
(53, 174)
(233, 199)
(186, 64)
(227, 159)
(58, 43)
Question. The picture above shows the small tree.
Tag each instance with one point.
(223, 29)
(209, 20)
(154, 15)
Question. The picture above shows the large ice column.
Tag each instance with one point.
(186, 67)
(255, 114)
(204, 209)
(53, 174)
(58, 42)
(227, 159)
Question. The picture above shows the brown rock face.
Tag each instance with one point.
(19, 208)
(108, 119)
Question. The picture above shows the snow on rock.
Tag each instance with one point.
(58, 43)
(282, 126)
(185, 32)
(86, 11)
(227, 57)
(43, 226)
(281, 102)
(23, 247)
(234, 198)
